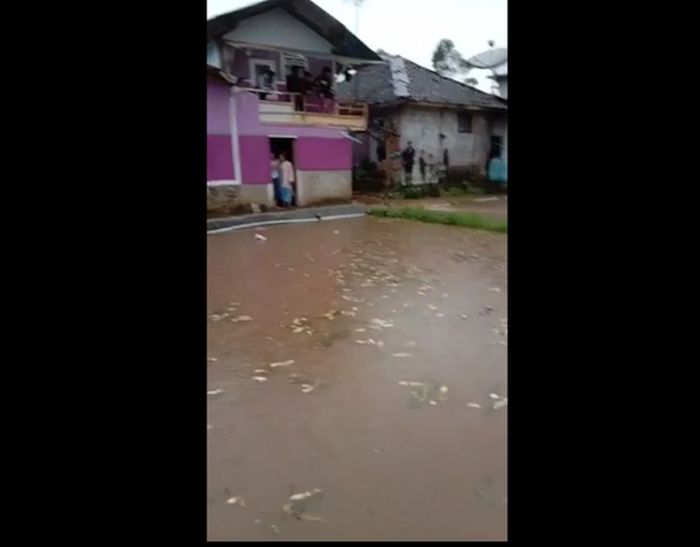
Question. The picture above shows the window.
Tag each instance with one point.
(291, 60)
(464, 122)
(258, 69)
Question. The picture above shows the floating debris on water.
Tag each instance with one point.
(411, 384)
(464, 316)
(371, 342)
(382, 323)
(236, 500)
(439, 314)
(474, 405)
(296, 378)
(486, 311)
(216, 317)
(242, 318)
(425, 391)
(260, 237)
(402, 354)
(308, 388)
(261, 371)
(209, 427)
(275, 528)
(432, 307)
(212, 359)
(297, 505)
(282, 364)
(360, 329)
(494, 289)
(498, 401)
(260, 379)
(215, 392)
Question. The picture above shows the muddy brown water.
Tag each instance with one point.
(391, 464)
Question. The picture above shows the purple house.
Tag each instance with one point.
(246, 123)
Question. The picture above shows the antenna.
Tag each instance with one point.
(358, 5)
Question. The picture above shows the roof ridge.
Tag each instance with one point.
(449, 79)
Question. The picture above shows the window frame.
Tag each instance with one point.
(469, 125)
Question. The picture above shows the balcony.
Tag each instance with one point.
(283, 108)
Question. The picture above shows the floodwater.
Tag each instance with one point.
(393, 462)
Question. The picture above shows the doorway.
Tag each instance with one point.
(285, 145)
(496, 146)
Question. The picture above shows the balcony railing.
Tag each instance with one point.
(284, 107)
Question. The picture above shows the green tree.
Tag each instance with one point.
(447, 61)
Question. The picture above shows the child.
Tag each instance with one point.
(287, 181)
(275, 173)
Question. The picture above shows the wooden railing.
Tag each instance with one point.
(311, 104)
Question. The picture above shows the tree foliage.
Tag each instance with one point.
(447, 61)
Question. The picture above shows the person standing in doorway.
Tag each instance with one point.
(287, 181)
(275, 174)
(408, 156)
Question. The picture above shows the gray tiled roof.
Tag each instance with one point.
(375, 85)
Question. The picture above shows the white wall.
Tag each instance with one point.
(278, 28)
(423, 125)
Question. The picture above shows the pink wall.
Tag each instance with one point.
(317, 154)
(219, 158)
(218, 114)
(255, 160)
(219, 152)
(315, 148)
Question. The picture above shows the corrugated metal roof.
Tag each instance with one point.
(382, 84)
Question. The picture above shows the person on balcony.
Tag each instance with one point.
(295, 84)
(325, 88)
(308, 87)
(267, 81)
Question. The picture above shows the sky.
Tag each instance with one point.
(412, 28)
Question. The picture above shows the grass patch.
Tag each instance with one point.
(456, 218)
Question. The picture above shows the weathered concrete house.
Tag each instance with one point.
(245, 123)
(443, 119)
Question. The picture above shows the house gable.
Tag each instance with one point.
(278, 28)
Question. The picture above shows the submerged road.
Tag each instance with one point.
(357, 382)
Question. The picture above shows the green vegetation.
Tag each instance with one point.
(464, 189)
(466, 219)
